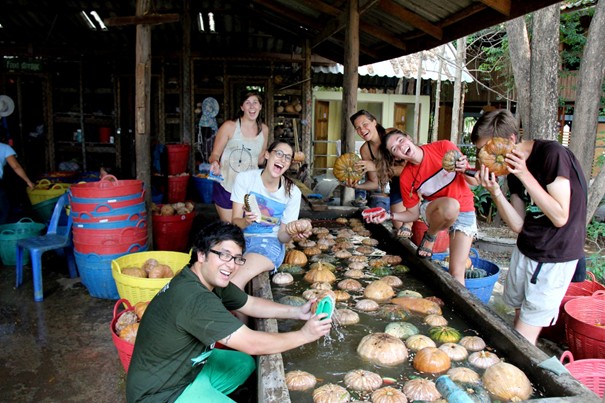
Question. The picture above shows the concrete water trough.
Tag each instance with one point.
(497, 333)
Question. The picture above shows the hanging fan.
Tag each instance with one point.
(7, 106)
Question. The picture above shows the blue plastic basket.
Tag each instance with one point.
(482, 288)
(204, 188)
(95, 273)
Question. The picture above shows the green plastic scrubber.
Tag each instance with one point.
(326, 305)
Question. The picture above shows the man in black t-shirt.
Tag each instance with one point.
(547, 208)
(174, 358)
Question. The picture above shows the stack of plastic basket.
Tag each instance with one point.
(109, 221)
(11, 233)
(585, 326)
(178, 178)
(44, 197)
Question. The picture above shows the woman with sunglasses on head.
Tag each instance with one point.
(442, 199)
(278, 200)
(371, 132)
(239, 146)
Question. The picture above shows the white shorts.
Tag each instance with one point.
(537, 295)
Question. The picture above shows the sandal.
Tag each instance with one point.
(403, 233)
(421, 248)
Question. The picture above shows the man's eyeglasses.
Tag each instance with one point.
(280, 154)
(226, 257)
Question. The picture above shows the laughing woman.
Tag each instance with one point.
(278, 200)
(442, 199)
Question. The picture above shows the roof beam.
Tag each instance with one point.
(411, 18)
(149, 19)
(289, 14)
(383, 35)
(501, 6)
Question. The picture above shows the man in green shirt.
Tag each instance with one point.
(174, 357)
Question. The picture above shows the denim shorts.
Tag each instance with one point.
(221, 197)
(269, 247)
(465, 223)
(395, 192)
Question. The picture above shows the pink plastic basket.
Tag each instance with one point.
(591, 373)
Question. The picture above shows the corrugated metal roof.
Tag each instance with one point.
(257, 28)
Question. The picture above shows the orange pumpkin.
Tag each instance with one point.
(494, 152)
(296, 257)
(344, 168)
(432, 360)
(299, 156)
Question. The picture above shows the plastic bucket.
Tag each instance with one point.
(11, 233)
(443, 238)
(586, 288)
(44, 211)
(107, 187)
(106, 211)
(45, 190)
(177, 188)
(120, 235)
(178, 158)
(483, 287)
(84, 204)
(86, 220)
(204, 188)
(172, 232)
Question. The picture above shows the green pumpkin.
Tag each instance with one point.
(402, 330)
(292, 300)
(409, 293)
(381, 271)
(400, 268)
(444, 334)
(474, 272)
(475, 391)
(291, 268)
(393, 312)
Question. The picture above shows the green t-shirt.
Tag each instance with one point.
(177, 334)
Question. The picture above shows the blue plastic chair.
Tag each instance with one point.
(56, 238)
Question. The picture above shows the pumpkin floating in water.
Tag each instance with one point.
(402, 330)
(493, 154)
(455, 351)
(472, 343)
(393, 281)
(342, 295)
(421, 389)
(362, 380)
(300, 380)
(382, 349)
(282, 279)
(321, 285)
(346, 317)
(432, 360)
(483, 359)
(418, 305)
(345, 170)
(444, 334)
(350, 284)
(320, 273)
(435, 320)
(367, 305)
(419, 341)
(354, 273)
(290, 268)
(331, 393)
(388, 394)
(378, 291)
(292, 300)
(463, 374)
(295, 257)
(507, 382)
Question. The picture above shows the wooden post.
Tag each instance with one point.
(143, 104)
(307, 107)
(187, 90)
(350, 84)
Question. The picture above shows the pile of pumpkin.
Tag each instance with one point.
(366, 281)
(127, 325)
(151, 268)
(168, 210)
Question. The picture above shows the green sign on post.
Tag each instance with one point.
(24, 66)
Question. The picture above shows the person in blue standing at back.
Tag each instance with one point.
(8, 156)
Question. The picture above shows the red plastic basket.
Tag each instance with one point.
(586, 288)
(440, 245)
(585, 325)
(124, 348)
(591, 373)
(177, 188)
(178, 158)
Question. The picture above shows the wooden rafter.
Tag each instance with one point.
(411, 18)
(501, 6)
(149, 19)
(383, 35)
(289, 14)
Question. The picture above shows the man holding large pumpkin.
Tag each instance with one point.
(547, 208)
(174, 358)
